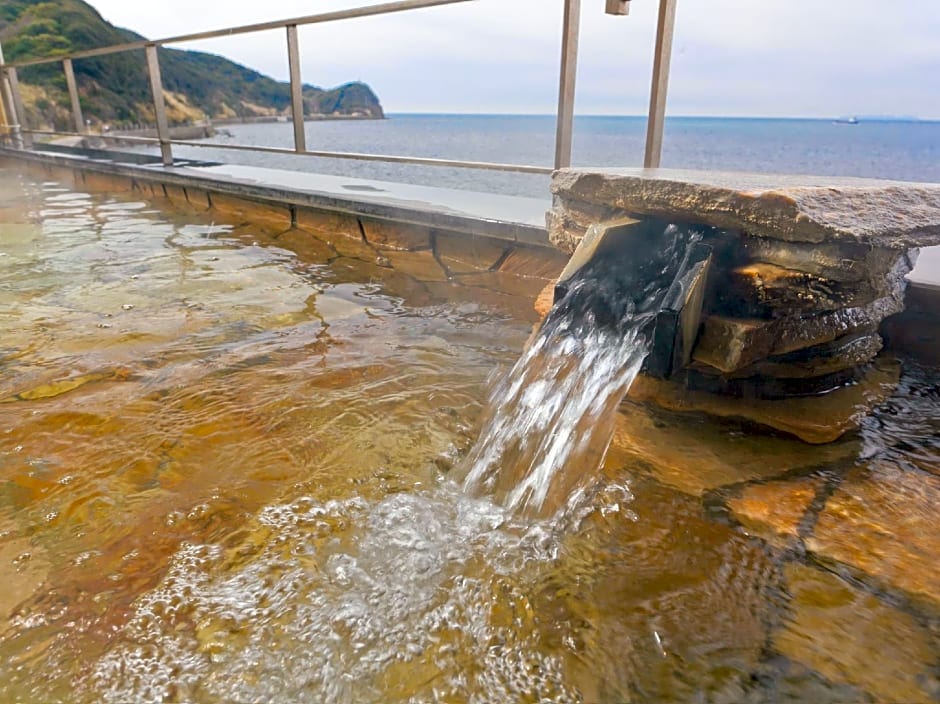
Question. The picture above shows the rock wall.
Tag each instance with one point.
(803, 273)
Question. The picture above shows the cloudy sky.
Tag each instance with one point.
(816, 58)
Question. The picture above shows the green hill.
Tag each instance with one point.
(115, 89)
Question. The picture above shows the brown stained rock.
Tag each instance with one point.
(813, 419)
(534, 262)
(769, 290)
(198, 198)
(774, 291)
(527, 287)
(793, 208)
(420, 265)
(276, 215)
(25, 568)
(648, 603)
(842, 262)
(545, 300)
(730, 344)
(106, 183)
(396, 236)
(851, 637)
(773, 511)
(696, 454)
(882, 522)
(567, 225)
(354, 247)
(329, 224)
(177, 195)
(846, 352)
(307, 246)
(466, 253)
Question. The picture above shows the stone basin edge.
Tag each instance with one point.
(813, 209)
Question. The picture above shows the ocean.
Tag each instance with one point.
(908, 151)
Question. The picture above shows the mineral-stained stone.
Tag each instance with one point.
(695, 454)
(844, 263)
(851, 637)
(466, 253)
(804, 270)
(774, 511)
(730, 344)
(813, 419)
(846, 352)
(882, 523)
(819, 209)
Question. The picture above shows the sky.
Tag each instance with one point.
(781, 58)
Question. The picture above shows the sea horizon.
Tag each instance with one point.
(859, 117)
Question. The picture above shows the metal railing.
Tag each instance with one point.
(12, 109)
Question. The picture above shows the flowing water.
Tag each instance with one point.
(551, 418)
(230, 466)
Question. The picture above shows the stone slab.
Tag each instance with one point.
(464, 254)
(774, 511)
(883, 523)
(696, 454)
(851, 637)
(601, 237)
(730, 344)
(813, 419)
(891, 214)
(836, 356)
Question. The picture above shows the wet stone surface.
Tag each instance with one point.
(802, 266)
(851, 637)
(776, 510)
(791, 208)
(881, 523)
(238, 488)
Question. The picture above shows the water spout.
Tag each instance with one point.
(550, 419)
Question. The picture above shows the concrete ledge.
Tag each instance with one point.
(509, 218)
(489, 268)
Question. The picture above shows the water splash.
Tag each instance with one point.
(550, 419)
(417, 597)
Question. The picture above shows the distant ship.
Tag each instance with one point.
(846, 121)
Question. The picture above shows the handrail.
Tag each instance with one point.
(22, 135)
(381, 9)
(360, 156)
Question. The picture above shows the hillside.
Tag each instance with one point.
(114, 89)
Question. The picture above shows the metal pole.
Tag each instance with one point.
(8, 112)
(73, 95)
(159, 105)
(10, 102)
(296, 89)
(18, 129)
(663, 53)
(567, 75)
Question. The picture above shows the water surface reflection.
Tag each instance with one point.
(225, 461)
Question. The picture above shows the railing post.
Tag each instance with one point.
(661, 58)
(20, 135)
(296, 89)
(12, 105)
(73, 96)
(566, 81)
(159, 105)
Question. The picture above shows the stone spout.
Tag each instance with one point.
(676, 324)
(783, 301)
